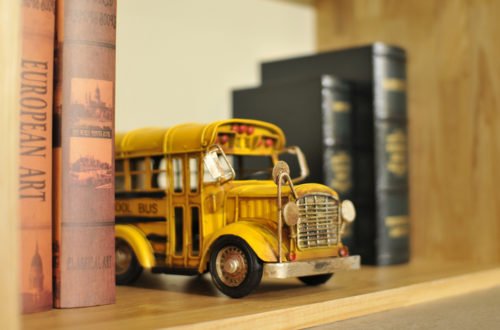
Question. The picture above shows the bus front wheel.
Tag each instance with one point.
(236, 271)
(127, 266)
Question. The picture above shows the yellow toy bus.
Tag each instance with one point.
(216, 197)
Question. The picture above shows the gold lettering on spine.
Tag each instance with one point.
(394, 85)
(340, 106)
(395, 146)
(341, 169)
(398, 226)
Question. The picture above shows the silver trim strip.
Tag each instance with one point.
(311, 267)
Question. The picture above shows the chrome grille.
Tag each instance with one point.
(318, 224)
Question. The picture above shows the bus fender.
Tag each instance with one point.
(262, 240)
(138, 242)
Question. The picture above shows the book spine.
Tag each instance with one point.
(10, 44)
(83, 153)
(364, 174)
(35, 154)
(391, 154)
(337, 156)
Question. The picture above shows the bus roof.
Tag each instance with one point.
(194, 137)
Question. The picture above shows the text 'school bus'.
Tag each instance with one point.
(216, 197)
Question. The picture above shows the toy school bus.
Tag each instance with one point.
(195, 198)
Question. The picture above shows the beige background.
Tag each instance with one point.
(178, 60)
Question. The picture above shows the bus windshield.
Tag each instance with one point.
(252, 167)
(260, 167)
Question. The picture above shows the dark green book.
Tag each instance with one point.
(377, 76)
(315, 115)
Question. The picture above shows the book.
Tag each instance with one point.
(83, 153)
(10, 41)
(377, 74)
(35, 154)
(322, 102)
(337, 156)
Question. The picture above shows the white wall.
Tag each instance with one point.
(177, 61)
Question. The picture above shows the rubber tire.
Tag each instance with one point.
(134, 270)
(255, 269)
(314, 280)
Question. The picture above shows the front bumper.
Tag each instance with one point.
(311, 267)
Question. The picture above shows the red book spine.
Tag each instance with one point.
(83, 153)
(35, 152)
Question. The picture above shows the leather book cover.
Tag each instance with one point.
(376, 74)
(391, 154)
(83, 153)
(337, 156)
(35, 154)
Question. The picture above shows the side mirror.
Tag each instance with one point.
(294, 156)
(218, 165)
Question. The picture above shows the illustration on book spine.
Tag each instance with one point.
(91, 160)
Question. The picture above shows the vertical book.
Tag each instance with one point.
(377, 76)
(83, 153)
(35, 154)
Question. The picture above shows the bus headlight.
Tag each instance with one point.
(348, 211)
(291, 214)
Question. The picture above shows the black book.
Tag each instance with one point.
(377, 76)
(315, 115)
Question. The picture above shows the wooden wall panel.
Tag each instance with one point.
(454, 113)
(9, 126)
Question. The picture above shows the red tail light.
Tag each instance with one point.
(344, 251)
(292, 256)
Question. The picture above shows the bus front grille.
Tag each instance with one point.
(318, 224)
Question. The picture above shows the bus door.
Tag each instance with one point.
(185, 214)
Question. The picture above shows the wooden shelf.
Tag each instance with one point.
(168, 300)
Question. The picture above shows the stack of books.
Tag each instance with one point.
(66, 180)
(346, 109)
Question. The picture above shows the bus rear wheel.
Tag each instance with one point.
(314, 280)
(127, 266)
(236, 271)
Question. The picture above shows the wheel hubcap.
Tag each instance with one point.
(123, 257)
(232, 266)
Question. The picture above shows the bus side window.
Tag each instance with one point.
(119, 175)
(138, 173)
(179, 229)
(178, 175)
(159, 171)
(193, 174)
(195, 231)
